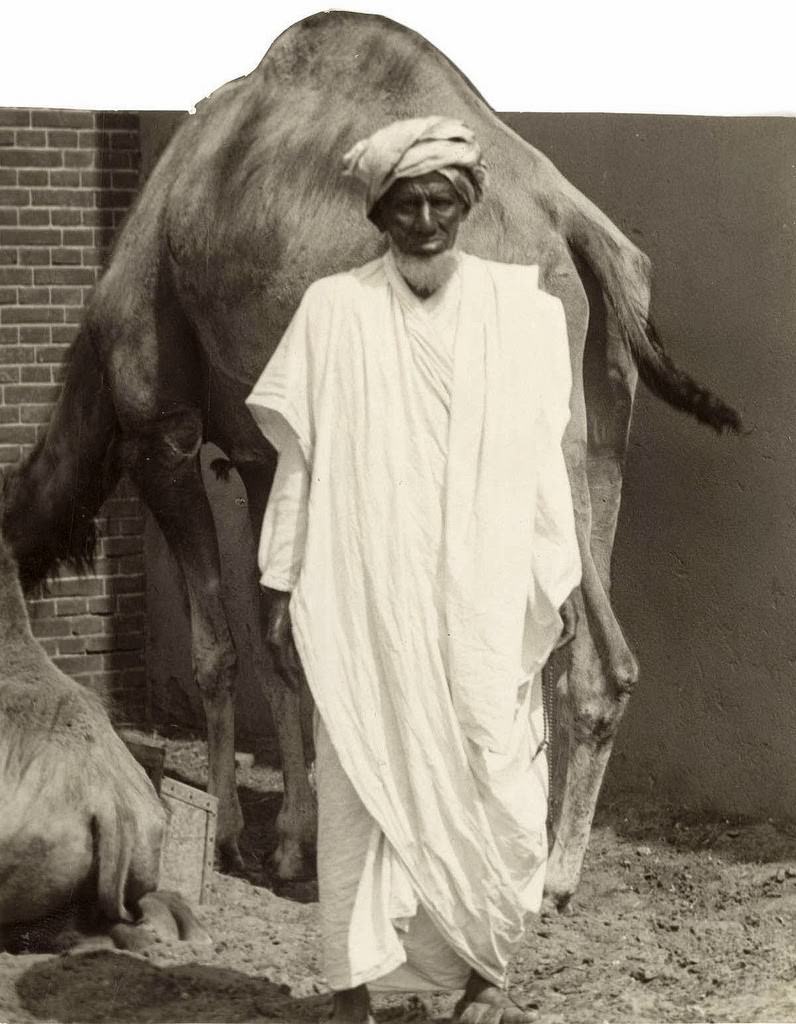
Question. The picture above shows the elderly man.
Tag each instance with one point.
(421, 529)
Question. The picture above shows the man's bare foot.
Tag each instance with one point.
(485, 1003)
(352, 1006)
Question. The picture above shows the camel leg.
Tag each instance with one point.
(593, 691)
(296, 824)
(591, 709)
(162, 916)
(165, 466)
(598, 671)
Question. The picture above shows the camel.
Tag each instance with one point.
(81, 825)
(245, 208)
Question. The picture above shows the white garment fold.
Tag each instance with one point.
(284, 532)
(421, 569)
(373, 931)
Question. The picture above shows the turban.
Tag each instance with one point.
(418, 145)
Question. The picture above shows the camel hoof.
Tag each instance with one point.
(135, 938)
(175, 912)
(292, 863)
(477, 1013)
(229, 857)
(467, 1012)
(556, 903)
(416, 1008)
(165, 917)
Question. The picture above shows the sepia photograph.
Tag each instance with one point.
(397, 516)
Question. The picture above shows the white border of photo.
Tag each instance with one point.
(685, 56)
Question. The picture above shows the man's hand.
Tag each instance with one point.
(569, 615)
(279, 638)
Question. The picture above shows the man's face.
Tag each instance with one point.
(421, 215)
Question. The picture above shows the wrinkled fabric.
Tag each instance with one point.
(413, 147)
(280, 553)
(373, 930)
(422, 559)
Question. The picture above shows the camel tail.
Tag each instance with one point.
(675, 386)
(624, 274)
(50, 499)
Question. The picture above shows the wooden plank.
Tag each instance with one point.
(186, 859)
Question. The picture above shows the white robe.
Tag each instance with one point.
(440, 543)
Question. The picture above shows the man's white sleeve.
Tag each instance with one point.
(283, 536)
(556, 554)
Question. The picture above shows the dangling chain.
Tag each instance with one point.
(548, 704)
(547, 712)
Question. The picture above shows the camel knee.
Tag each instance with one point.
(598, 687)
(173, 441)
(215, 671)
(595, 721)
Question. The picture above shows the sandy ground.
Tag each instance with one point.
(677, 919)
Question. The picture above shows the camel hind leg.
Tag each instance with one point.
(164, 463)
(592, 694)
(597, 674)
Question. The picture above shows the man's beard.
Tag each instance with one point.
(425, 274)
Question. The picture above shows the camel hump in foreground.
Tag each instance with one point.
(81, 826)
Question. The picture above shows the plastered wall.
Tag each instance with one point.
(705, 557)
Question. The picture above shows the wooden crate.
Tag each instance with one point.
(186, 859)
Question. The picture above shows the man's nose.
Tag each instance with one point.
(424, 220)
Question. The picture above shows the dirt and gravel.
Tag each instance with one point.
(677, 919)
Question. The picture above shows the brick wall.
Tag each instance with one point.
(67, 179)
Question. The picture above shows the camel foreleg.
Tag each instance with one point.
(592, 697)
(296, 823)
